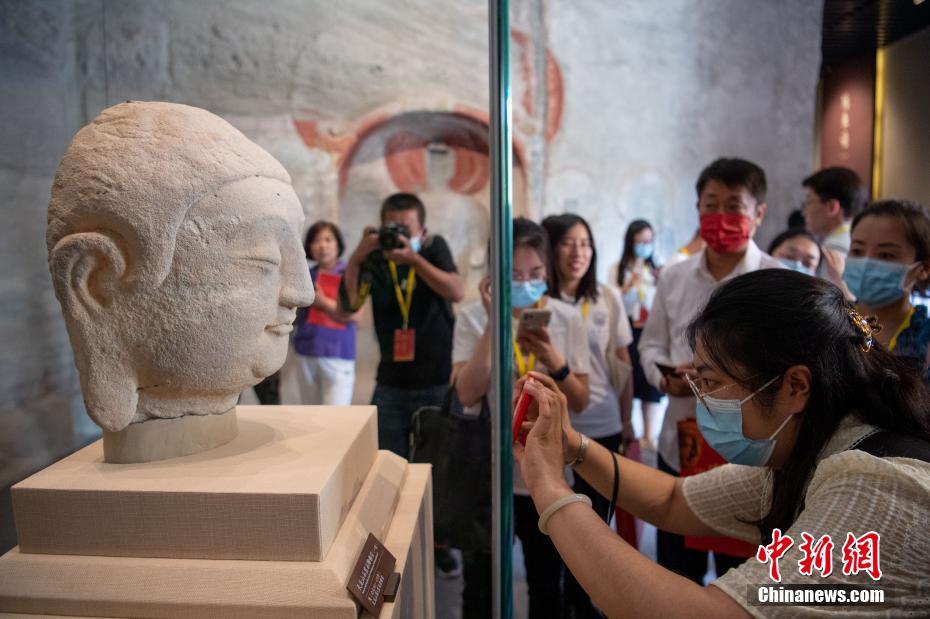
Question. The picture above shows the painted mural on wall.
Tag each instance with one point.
(616, 108)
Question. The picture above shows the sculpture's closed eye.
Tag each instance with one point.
(267, 263)
(274, 261)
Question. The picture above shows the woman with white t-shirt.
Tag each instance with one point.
(607, 418)
(561, 351)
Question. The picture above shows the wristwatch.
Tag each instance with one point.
(561, 374)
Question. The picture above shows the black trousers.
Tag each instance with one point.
(577, 601)
(476, 596)
(692, 564)
(543, 563)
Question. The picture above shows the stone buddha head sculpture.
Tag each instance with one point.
(175, 252)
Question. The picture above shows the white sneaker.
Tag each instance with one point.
(448, 562)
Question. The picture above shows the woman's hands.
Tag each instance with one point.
(551, 441)
(537, 343)
(324, 302)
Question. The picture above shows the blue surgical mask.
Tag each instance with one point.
(796, 265)
(525, 294)
(416, 244)
(721, 423)
(643, 250)
(875, 283)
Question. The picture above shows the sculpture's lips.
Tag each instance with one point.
(280, 329)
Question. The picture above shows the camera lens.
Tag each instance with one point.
(389, 235)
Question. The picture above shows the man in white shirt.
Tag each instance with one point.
(731, 206)
(832, 197)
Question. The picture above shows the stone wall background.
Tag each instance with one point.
(617, 107)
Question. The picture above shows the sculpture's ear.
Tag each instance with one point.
(110, 390)
(86, 270)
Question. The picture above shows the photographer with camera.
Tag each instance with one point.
(412, 280)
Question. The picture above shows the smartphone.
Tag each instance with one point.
(519, 416)
(535, 319)
(667, 370)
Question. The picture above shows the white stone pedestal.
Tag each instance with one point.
(269, 525)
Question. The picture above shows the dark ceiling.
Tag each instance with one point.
(855, 27)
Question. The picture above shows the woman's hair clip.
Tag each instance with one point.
(867, 326)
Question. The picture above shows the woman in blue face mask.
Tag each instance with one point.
(798, 250)
(829, 435)
(637, 276)
(889, 259)
(559, 349)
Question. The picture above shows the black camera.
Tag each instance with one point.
(390, 233)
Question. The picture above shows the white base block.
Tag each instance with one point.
(160, 439)
(200, 588)
(277, 492)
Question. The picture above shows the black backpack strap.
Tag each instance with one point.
(884, 444)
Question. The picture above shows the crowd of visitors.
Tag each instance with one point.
(794, 386)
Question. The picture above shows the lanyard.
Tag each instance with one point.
(524, 365)
(901, 329)
(404, 303)
(641, 286)
(584, 310)
(842, 230)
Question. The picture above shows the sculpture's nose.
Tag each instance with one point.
(296, 285)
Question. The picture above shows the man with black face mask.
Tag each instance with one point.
(731, 206)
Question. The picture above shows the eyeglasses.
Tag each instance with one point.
(697, 392)
(701, 396)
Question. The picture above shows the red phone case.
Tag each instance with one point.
(523, 404)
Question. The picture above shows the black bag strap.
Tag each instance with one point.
(885, 444)
(447, 401)
(451, 401)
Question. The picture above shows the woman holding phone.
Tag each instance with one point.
(828, 436)
(558, 349)
(607, 418)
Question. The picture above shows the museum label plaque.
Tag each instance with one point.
(369, 580)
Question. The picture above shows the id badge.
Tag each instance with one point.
(404, 344)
